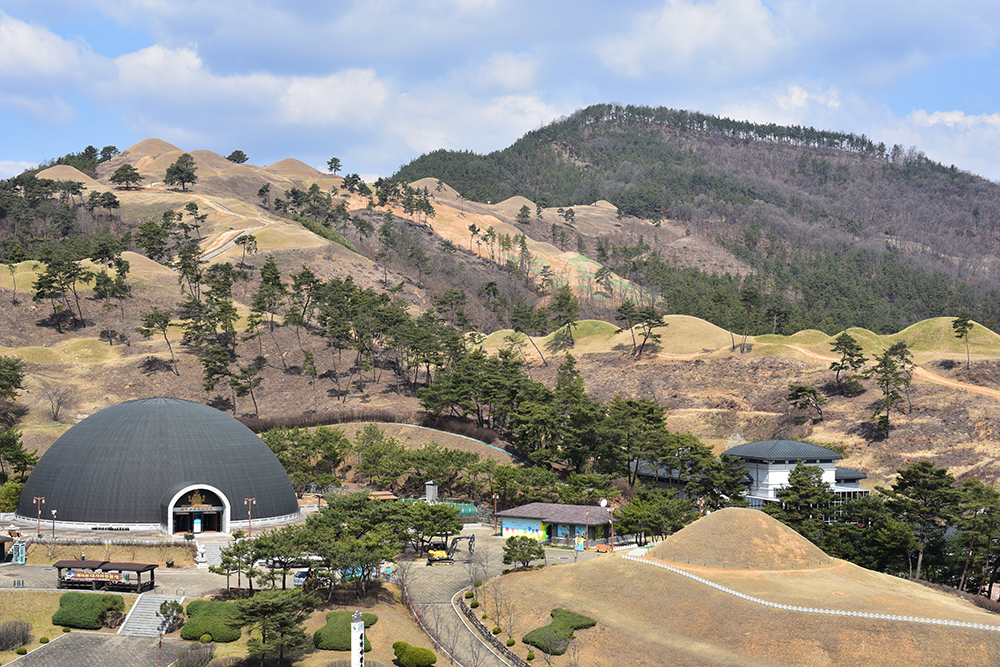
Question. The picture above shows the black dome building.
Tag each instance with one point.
(159, 463)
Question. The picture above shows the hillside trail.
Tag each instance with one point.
(225, 240)
(918, 372)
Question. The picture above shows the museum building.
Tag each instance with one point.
(161, 464)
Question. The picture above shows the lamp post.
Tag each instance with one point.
(53, 524)
(39, 501)
(611, 513)
(249, 502)
(495, 499)
(587, 545)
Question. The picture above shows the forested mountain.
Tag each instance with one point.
(838, 230)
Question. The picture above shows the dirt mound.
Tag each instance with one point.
(150, 148)
(64, 172)
(292, 168)
(741, 539)
(210, 160)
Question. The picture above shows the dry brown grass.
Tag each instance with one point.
(737, 538)
(42, 554)
(37, 608)
(649, 616)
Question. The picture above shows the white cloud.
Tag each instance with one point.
(44, 108)
(969, 141)
(509, 71)
(451, 119)
(28, 52)
(353, 96)
(9, 168)
(722, 38)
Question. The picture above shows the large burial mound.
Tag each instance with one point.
(741, 539)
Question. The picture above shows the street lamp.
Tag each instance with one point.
(249, 502)
(495, 499)
(53, 524)
(39, 501)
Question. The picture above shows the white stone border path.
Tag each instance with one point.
(636, 556)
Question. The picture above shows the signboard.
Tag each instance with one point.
(197, 525)
(579, 544)
(89, 575)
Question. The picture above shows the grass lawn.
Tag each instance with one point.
(36, 607)
(394, 624)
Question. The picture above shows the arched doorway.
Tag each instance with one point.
(196, 508)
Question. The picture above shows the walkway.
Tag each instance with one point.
(143, 618)
(432, 588)
(93, 649)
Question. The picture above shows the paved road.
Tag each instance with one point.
(432, 588)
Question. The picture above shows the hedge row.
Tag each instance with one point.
(554, 637)
(86, 611)
(336, 634)
(218, 619)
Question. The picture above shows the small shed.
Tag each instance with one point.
(558, 524)
(105, 575)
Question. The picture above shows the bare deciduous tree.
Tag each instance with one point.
(60, 398)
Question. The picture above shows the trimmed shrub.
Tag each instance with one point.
(497, 629)
(21, 651)
(413, 656)
(485, 615)
(468, 595)
(87, 611)
(205, 638)
(217, 619)
(474, 604)
(531, 656)
(66, 629)
(14, 634)
(554, 637)
(336, 634)
(43, 640)
(510, 641)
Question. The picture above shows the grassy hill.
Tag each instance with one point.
(647, 615)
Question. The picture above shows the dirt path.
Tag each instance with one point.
(225, 240)
(920, 373)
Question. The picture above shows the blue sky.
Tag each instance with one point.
(377, 83)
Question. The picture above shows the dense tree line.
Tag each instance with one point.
(924, 525)
(825, 219)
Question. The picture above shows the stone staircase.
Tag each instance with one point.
(213, 552)
(142, 621)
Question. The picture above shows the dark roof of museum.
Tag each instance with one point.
(116, 466)
(579, 515)
(849, 475)
(780, 450)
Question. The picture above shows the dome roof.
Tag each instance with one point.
(118, 466)
(777, 450)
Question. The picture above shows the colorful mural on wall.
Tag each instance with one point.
(526, 527)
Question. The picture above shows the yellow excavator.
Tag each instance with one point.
(445, 553)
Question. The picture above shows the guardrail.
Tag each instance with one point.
(494, 641)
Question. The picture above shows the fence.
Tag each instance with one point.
(499, 646)
(419, 618)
